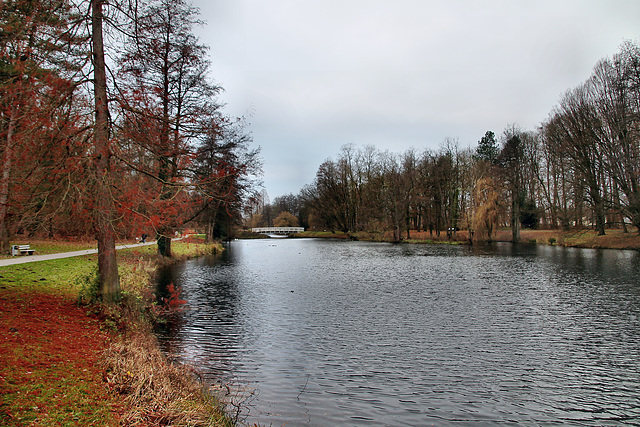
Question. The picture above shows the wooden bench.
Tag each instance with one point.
(21, 250)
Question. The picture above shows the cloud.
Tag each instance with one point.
(319, 74)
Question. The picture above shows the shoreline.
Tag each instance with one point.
(578, 238)
(53, 374)
(50, 371)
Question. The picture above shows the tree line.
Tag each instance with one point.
(580, 168)
(110, 127)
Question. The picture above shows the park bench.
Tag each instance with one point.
(21, 250)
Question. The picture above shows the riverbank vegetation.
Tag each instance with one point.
(91, 153)
(579, 238)
(579, 170)
(110, 150)
(94, 364)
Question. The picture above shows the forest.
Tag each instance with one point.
(580, 168)
(110, 127)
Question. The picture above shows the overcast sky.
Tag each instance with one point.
(315, 75)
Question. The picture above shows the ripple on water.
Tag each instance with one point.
(328, 333)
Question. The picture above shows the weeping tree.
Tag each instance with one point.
(487, 213)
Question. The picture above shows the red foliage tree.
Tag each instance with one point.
(166, 103)
(39, 124)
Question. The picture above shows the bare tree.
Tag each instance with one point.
(576, 128)
(615, 91)
(394, 193)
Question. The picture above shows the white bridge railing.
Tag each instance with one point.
(278, 230)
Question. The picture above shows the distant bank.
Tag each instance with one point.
(583, 238)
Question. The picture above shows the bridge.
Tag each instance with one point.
(278, 230)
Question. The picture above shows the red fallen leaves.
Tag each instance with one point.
(46, 342)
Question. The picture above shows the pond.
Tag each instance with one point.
(323, 332)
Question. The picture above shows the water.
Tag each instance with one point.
(315, 332)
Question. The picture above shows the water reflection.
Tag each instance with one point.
(361, 333)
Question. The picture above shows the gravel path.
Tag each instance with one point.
(33, 258)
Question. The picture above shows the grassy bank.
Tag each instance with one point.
(584, 238)
(71, 365)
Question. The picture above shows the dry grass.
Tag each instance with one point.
(458, 236)
(156, 391)
(54, 363)
(614, 239)
(583, 238)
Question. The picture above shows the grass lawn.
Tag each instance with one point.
(69, 365)
(584, 238)
(44, 247)
(50, 349)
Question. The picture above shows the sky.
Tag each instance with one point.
(314, 75)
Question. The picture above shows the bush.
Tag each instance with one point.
(88, 284)
(529, 215)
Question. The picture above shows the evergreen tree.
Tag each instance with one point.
(487, 149)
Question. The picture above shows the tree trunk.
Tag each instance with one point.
(408, 223)
(4, 184)
(397, 231)
(616, 201)
(164, 245)
(635, 219)
(515, 218)
(598, 205)
(600, 218)
(109, 284)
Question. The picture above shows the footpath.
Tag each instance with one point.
(34, 258)
(76, 366)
